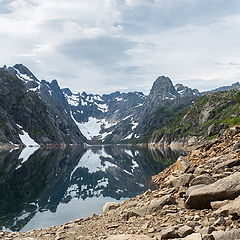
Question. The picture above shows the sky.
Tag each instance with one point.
(100, 46)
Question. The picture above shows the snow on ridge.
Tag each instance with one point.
(93, 127)
(23, 77)
(26, 139)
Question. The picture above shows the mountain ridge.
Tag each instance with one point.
(108, 118)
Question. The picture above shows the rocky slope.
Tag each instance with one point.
(205, 119)
(198, 198)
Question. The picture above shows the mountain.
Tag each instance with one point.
(126, 117)
(60, 116)
(224, 88)
(29, 114)
(208, 117)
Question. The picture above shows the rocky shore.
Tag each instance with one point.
(198, 199)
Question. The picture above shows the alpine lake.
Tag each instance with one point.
(42, 187)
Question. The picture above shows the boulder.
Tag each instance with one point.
(190, 189)
(231, 208)
(226, 188)
(182, 164)
(182, 180)
(156, 205)
(236, 146)
(227, 164)
(202, 179)
(215, 129)
(185, 231)
(109, 206)
(233, 234)
(169, 233)
(194, 236)
(219, 204)
(128, 237)
(207, 237)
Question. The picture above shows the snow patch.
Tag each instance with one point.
(26, 139)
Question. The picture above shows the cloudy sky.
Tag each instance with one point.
(106, 45)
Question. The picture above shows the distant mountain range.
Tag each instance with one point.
(41, 111)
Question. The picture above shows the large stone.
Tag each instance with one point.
(128, 237)
(194, 236)
(190, 189)
(156, 205)
(182, 180)
(232, 208)
(202, 179)
(169, 233)
(182, 164)
(219, 204)
(226, 188)
(230, 163)
(215, 129)
(109, 206)
(233, 234)
(185, 231)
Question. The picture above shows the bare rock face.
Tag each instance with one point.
(226, 188)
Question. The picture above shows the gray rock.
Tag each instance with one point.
(233, 208)
(182, 180)
(207, 237)
(194, 236)
(233, 234)
(109, 206)
(207, 230)
(230, 163)
(156, 205)
(202, 179)
(219, 204)
(190, 189)
(128, 237)
(226, 188)
(169, 233)
(185, 231)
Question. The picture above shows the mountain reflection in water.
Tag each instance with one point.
(45, 187)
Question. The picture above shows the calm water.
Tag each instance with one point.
(45, 187)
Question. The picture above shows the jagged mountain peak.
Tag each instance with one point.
(163, 89)
(67, 91)
(24, 73)
(162, 82)
(186, 91)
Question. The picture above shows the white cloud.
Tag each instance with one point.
(105, 45)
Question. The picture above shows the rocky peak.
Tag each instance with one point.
(67, 91)
(185, 91)
(24, 72)
(163, 83)
(162, 90)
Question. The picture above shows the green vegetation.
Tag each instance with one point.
(213, 108)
